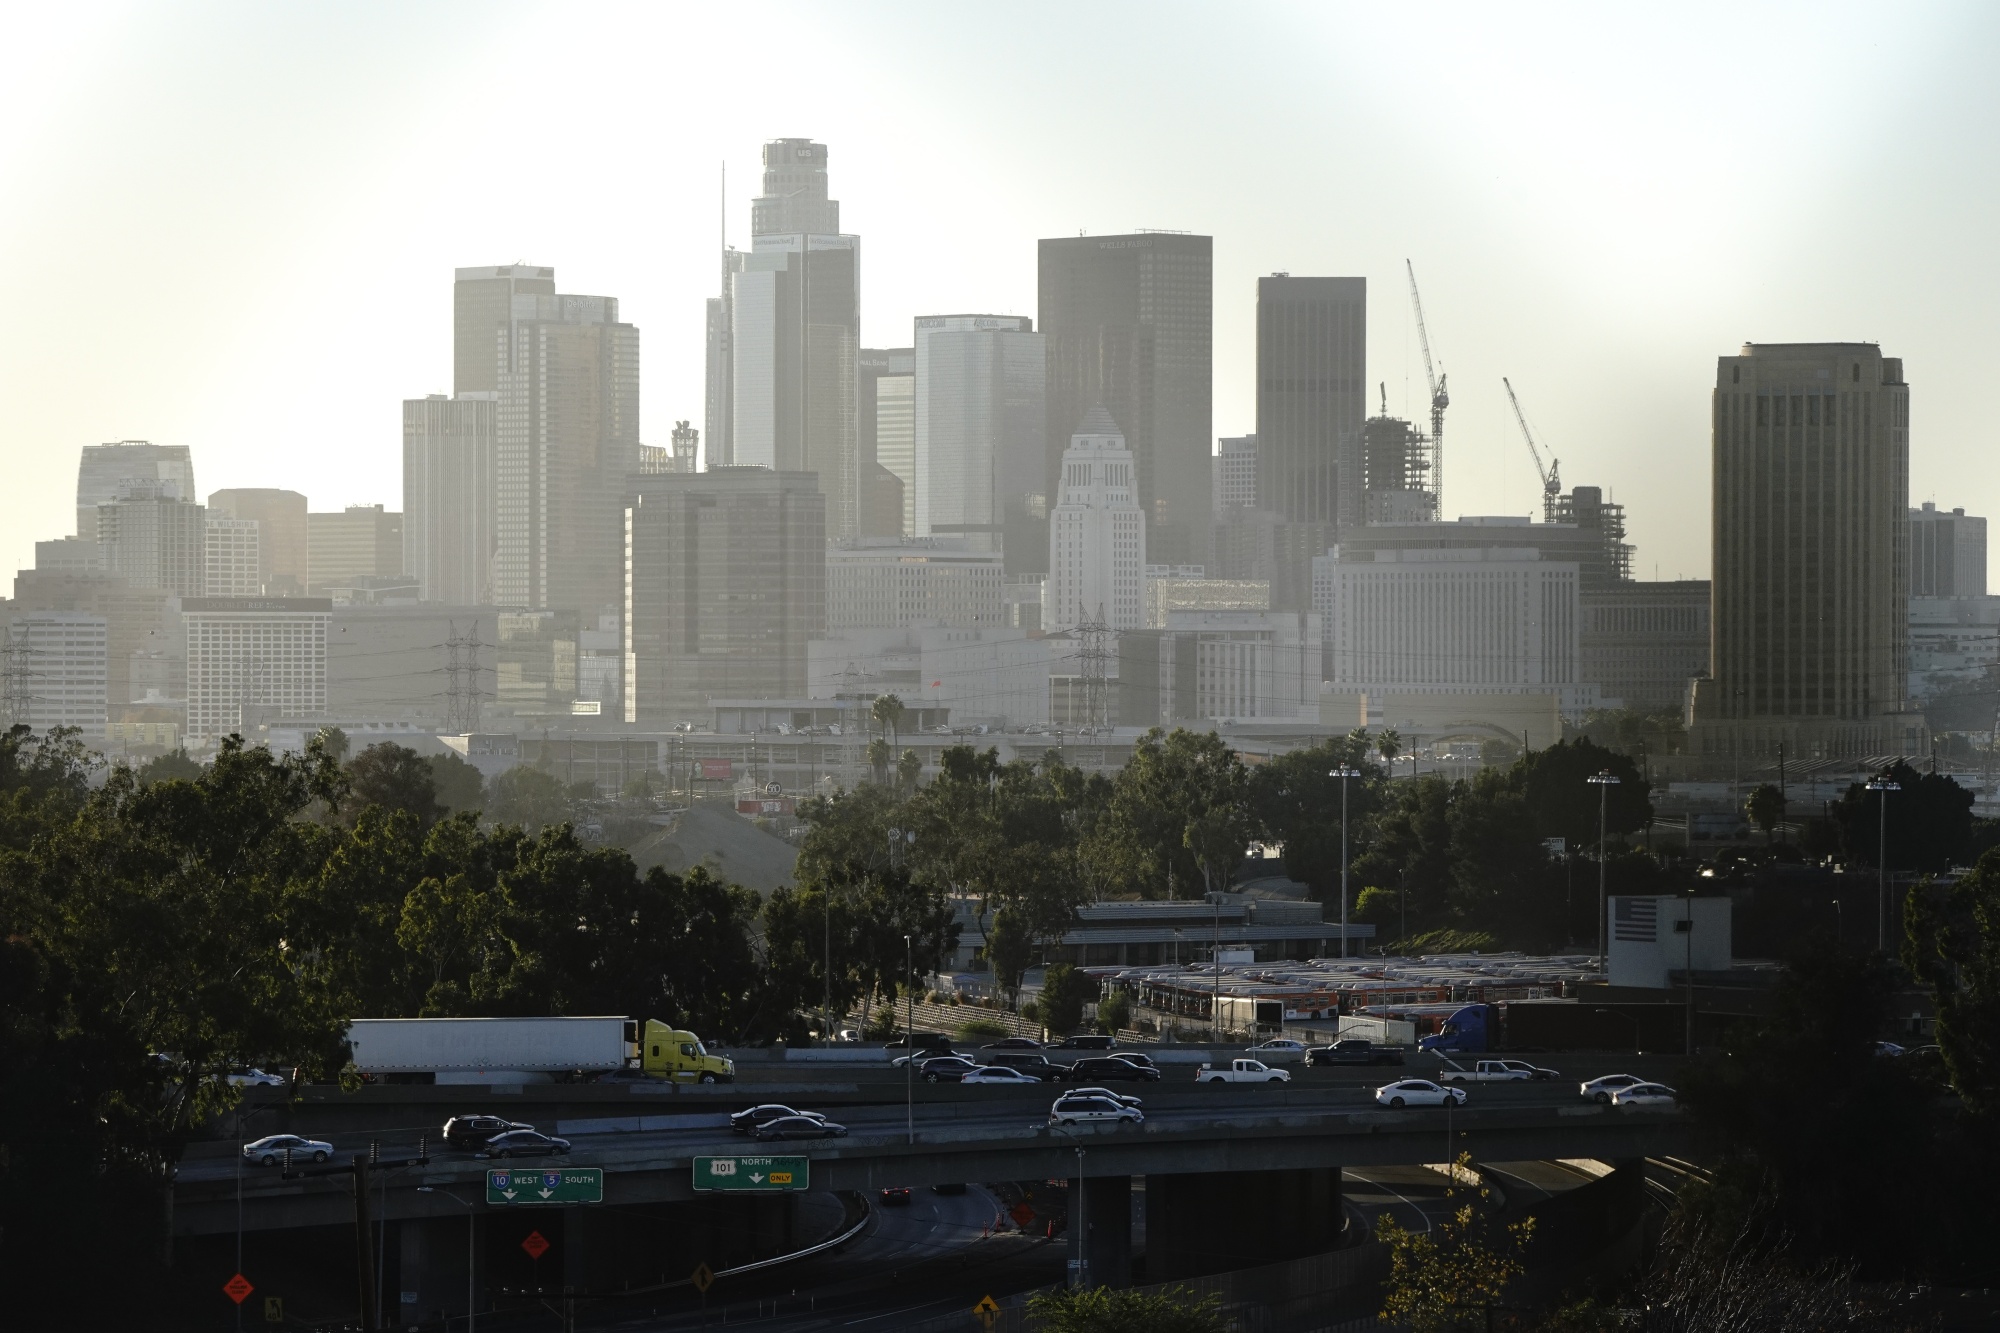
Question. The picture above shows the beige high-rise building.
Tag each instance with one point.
(482, 306)
(450, 458)
(282, 540)
(1811, 545)
(566, 439)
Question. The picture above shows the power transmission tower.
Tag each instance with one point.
(461, 667)
(1092, 632)
(15, 673)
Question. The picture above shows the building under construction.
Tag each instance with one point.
(1397, 464)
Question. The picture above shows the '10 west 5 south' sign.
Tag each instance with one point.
(572, 1185)
(752, 1173)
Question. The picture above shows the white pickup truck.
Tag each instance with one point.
(1242, 1071)
(1493, 1071)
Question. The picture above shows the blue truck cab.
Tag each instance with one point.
(1474, 1028)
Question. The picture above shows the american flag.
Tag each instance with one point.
(1635, 920)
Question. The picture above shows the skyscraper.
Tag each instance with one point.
(795, 338)
(567, 438)
(721, 365)
(104, 468)
(1097, 533)
(725, 582)
(980, 412)
(1312, 343)
(1811, 555)
(283, 543)
(482, 306)
(152, 536)
(888, 410)
(450, 456)
(1129, 326)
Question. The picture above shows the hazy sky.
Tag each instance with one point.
(233, 226)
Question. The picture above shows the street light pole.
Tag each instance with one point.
(1604, 782)
(1082, 1213)
(910, 1026)
(1881, 786)
(1343, 773)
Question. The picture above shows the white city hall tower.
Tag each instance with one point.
(1097, 533)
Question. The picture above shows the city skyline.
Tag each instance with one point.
(1585, 270)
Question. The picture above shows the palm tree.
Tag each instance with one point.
(888, 713)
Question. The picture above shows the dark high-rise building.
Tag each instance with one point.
(482, 302)
(1312, 345)
(1129, 324)
(725, 582)
(1811, 548)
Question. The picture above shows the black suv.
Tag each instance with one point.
(1085, 1041)
(1029, 1062)
(470, 1131)
(1109, 1069)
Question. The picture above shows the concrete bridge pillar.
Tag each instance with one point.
(1105, 1238)
(1211, 1222)
(434, 1252)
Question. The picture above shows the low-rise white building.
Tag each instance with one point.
(1220, 664)
(264, 655)
(979, 674)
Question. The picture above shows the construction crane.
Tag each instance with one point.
(1440, 400)
(1552, 474)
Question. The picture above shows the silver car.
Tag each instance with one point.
(1093, 1110)
(270, 1150)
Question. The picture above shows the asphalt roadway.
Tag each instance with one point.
(869, 1099)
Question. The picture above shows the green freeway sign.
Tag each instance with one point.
(545, 1185)
(752, 1173)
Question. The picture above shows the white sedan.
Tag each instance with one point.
(1419, 1092)
(1093, 1110)
(997, 1074)
(270, 1151)
(1279, 1051)
(1601, 1090)
(1645, 1094)
(256, 1078)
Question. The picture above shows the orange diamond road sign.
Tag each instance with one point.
(703, 1278)
(536, 1245)
(238, 1289)
(1022, 1214)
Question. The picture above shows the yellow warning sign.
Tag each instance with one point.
(703, 1278)
(986, 1312)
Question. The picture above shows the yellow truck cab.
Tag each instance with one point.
(679, 1055)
